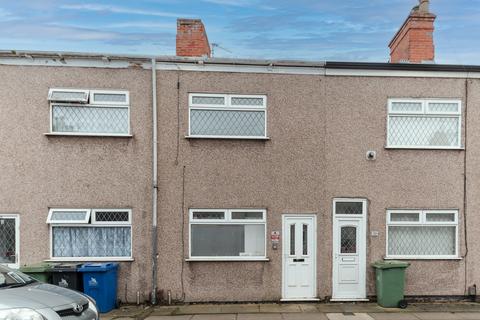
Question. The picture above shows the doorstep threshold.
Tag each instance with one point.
(349, 300)
(298, 299)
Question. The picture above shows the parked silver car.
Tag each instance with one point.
(22, 297)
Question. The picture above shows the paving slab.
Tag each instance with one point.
(393, 316)
(240, 308)
(469, 315)
(438, 316)
(279, 308)
(257, 316)
(187, 317)
(214, 317)
(199, 309)
(348, 316)
(304, 316)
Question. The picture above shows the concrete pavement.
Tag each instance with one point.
(294, 311)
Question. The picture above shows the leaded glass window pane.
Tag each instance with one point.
(348, 240)
(443, 107)
(348, 207)
(238, 101)
(112, 216)
(206, 100)
(421, 130)
(440, 217)
(422, 240)
(91, 241)
(227, 123)
(81, 119)
(110, 97)
(404, 217)
(247, 215)
(204, 215)
(406, 107)
(7, 240)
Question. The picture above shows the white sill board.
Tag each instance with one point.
(349, 299)
(227, 260)
(91, 260)
(421, 258)
(298, 299)
(99, 135)
(227, 138)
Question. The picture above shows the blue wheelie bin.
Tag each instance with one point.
(100, 283)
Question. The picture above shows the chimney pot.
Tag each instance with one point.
(192, 40)
(413, 43)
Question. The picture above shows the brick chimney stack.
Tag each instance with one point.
(192, 40)
(413, 43)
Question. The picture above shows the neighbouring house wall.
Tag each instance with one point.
(320, 130)
(38, 171)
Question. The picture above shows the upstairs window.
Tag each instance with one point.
(89, 112)
(227, 116)
(90, 234)
(424, 123)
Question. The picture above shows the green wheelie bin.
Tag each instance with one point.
(390, 283)
(40, 271)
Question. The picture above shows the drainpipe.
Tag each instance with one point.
(154, 180)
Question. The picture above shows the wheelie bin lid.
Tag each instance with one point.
(98, 267)
(66, 267)
(390, 264)
(38, 267)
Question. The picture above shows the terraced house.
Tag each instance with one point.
(244, 180)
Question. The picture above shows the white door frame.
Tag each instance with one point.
(314, 252)
(362, 245)
(16, 217)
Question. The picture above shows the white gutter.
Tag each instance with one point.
(154, 183)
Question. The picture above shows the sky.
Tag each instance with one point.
(335, 30)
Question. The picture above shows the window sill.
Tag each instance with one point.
(227, 138)
(81, 259)
(422, 258)
(99, 135)
(227, 259)
(423, 148)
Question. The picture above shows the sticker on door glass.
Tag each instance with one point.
(348, 240)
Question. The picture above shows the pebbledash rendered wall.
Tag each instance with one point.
(320, 129)
(39, 171)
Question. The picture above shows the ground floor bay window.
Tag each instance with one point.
(422, 234)
(90, 234)
(227, 234)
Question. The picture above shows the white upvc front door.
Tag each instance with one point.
(9, 240)
(349, 249)
(299, 257)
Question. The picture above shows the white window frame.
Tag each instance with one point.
(424, 113)
(16, 217)
(227, 221)
(114, 224)
(226, 107)
(90, 103)
(423, 223)
(83, 221)
(86, 94)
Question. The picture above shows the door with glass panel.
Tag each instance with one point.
(299, 257)
(349, 249)
(9, 240)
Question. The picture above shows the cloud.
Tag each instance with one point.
(122, 10)
(241, 3)
(7, 16)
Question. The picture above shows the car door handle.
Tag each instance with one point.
(299, 260)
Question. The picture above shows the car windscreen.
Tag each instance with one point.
(12, 278)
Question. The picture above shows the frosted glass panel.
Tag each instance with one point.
(227, 123)
(90, 119)
(421, 240)
(423, 131)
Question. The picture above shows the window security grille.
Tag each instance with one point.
(223, 115)
(424, 124)
(102, 112)
(422, 234)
